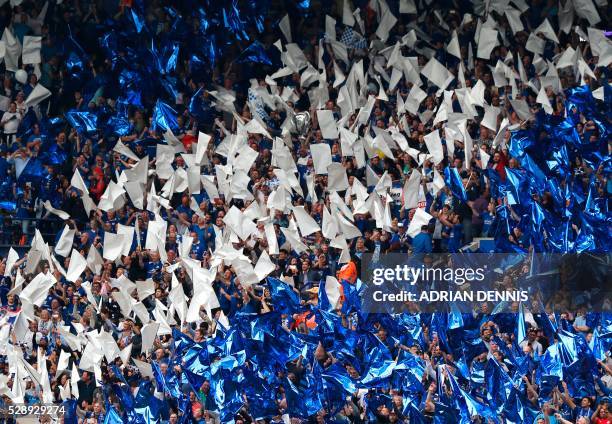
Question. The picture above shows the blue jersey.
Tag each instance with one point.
(152, 268)
(487, 221)
(456, 238)
(49, 188)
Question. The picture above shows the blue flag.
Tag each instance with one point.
(255, 53)
(164, 117)
(453, 181)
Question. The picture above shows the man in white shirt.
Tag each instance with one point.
(531, 340)
(10, 123)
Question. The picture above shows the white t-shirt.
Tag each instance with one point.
(535, 346)
(11, 124)
(22, 107)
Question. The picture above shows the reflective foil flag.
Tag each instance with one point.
(255, 53)
(83, 122)
(283, 295)
(164, 117)
(70, 411)
(453, 181)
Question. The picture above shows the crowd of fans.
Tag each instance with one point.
(162, 73)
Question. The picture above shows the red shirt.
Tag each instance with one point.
(97, 190)
(598, 420)
(188, 140)
(501, 165)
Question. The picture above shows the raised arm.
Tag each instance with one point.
(566, 396)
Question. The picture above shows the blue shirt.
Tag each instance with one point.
(49, 189)
(152, 267)
(421, 243)
(487, 221)
(200, 231)
(456, 238)
(198, 249)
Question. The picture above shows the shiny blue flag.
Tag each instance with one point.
(128, 78)
(468, 405)
(454, 182)
(413, 364)
(255, 53)
(234, 23)
(455, 319)
(159, 379)
(283, 296)
(352, 300)
(33, 171)
(561, 160)
(118, 125)
(8, 206)
(567, 347)
(472, 346)
(184, 406)
(303, 5)
(181, 341)
(124, 394)
(113, 417)
(164, 117)
(28, 121)
(118, 373)
(70, 411)
(514, 183)
(172, 58)
(550, 362)
(413, 413)
(337, 375)
(579, 379)
(438, 326)
(519, 142)
(591, 206)
(133, 97)
(521, 325)
(74, 64)
(303, 400)
(229, 362)
(498, 382)
(513, 409)
(377, 373)
(567, 133)
(324, 303)
(146, 405)
(83, 122)
(196, 64)
(497, 186)
(508, 353)
(197, 359)
(54, 156)
(548, 326)
(194, 380)
(597, 346)
(537, 217)
(537, 179)
(138, 21)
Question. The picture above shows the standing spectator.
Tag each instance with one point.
(10, 123)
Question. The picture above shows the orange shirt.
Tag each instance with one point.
(348, 272)
(311, 322)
